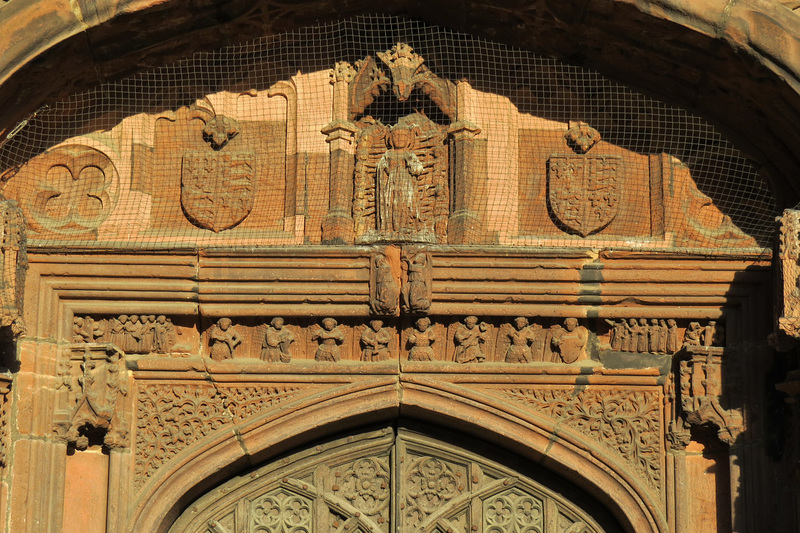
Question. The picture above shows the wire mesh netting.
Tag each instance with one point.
(379, 129)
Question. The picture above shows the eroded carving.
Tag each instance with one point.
(416, 291)
(92, 381)
(13, 248)
(277, 342)
(76, 192)
(659, 336)
(469, 340)
(133, 334)
(581, 137)
(699, 388)
(223, 339)
(420, 340)
(217, 188)
(627, 422)
(330, 337)
(527, 341)
(218, 129)
(712, 334)
(570, 341)
(584, 191)
(375, 340)
(789, 262)
(401, 190)
(384, 289)
(172, 417)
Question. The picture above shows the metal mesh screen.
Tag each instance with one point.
(115, 166)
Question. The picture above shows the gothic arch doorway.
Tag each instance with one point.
(393, 479)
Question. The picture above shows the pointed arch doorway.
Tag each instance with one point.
(399, 478)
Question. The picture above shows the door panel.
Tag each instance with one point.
(391, 480)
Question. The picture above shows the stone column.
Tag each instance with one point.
(468, 184)
(337, 227)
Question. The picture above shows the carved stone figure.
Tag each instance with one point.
(654, 336)
(79, 333)
(376, 341)
(469, 339)
(277, 342)
(330, 337)
(631, 341)
(617, 335)
(416, 291)
(420, 339)
(386, 294)
(398, 207)
(693, 335)
(673, 341)
(133, 334)
(570, 341)
(163, 335)
(224, 340)
(521, 337)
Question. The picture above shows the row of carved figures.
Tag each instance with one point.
(135, 334)
(527, 343)
(660, 336)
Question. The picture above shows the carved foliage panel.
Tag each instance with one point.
(381, 482)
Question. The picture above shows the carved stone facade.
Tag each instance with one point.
(384, 295)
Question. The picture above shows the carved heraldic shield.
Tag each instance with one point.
(584, 191)
(217, 189)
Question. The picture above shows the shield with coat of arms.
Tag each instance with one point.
(217, 188)
(584, 191)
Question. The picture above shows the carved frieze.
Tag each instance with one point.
(92, 383)
(329, 337)
(469, 339)
(132, 334)
(376, 340)
(417, 281)
(277, 343)
(173, 417)
(223, 339)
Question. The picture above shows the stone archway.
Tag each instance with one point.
(394, 479)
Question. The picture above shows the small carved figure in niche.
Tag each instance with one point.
(521, 337)
(133, 334)
(693, 334)
(79, 333)
(718, 339)
(663, 336)
(631, 341)
(376, 341)
(708, 333)
(654, 336)
(386, 292)
(277, 342)
(570, 341)
(224, 340)
(147, 342)
(416, 293)
(420, 340)
(618, 334)
(469, 340)
(398, 205)
(673, 343)
(644, 330)
(116, 330)
(163, 335)
(330, 337)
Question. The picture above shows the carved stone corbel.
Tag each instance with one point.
(699, 387)
(92, 386)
